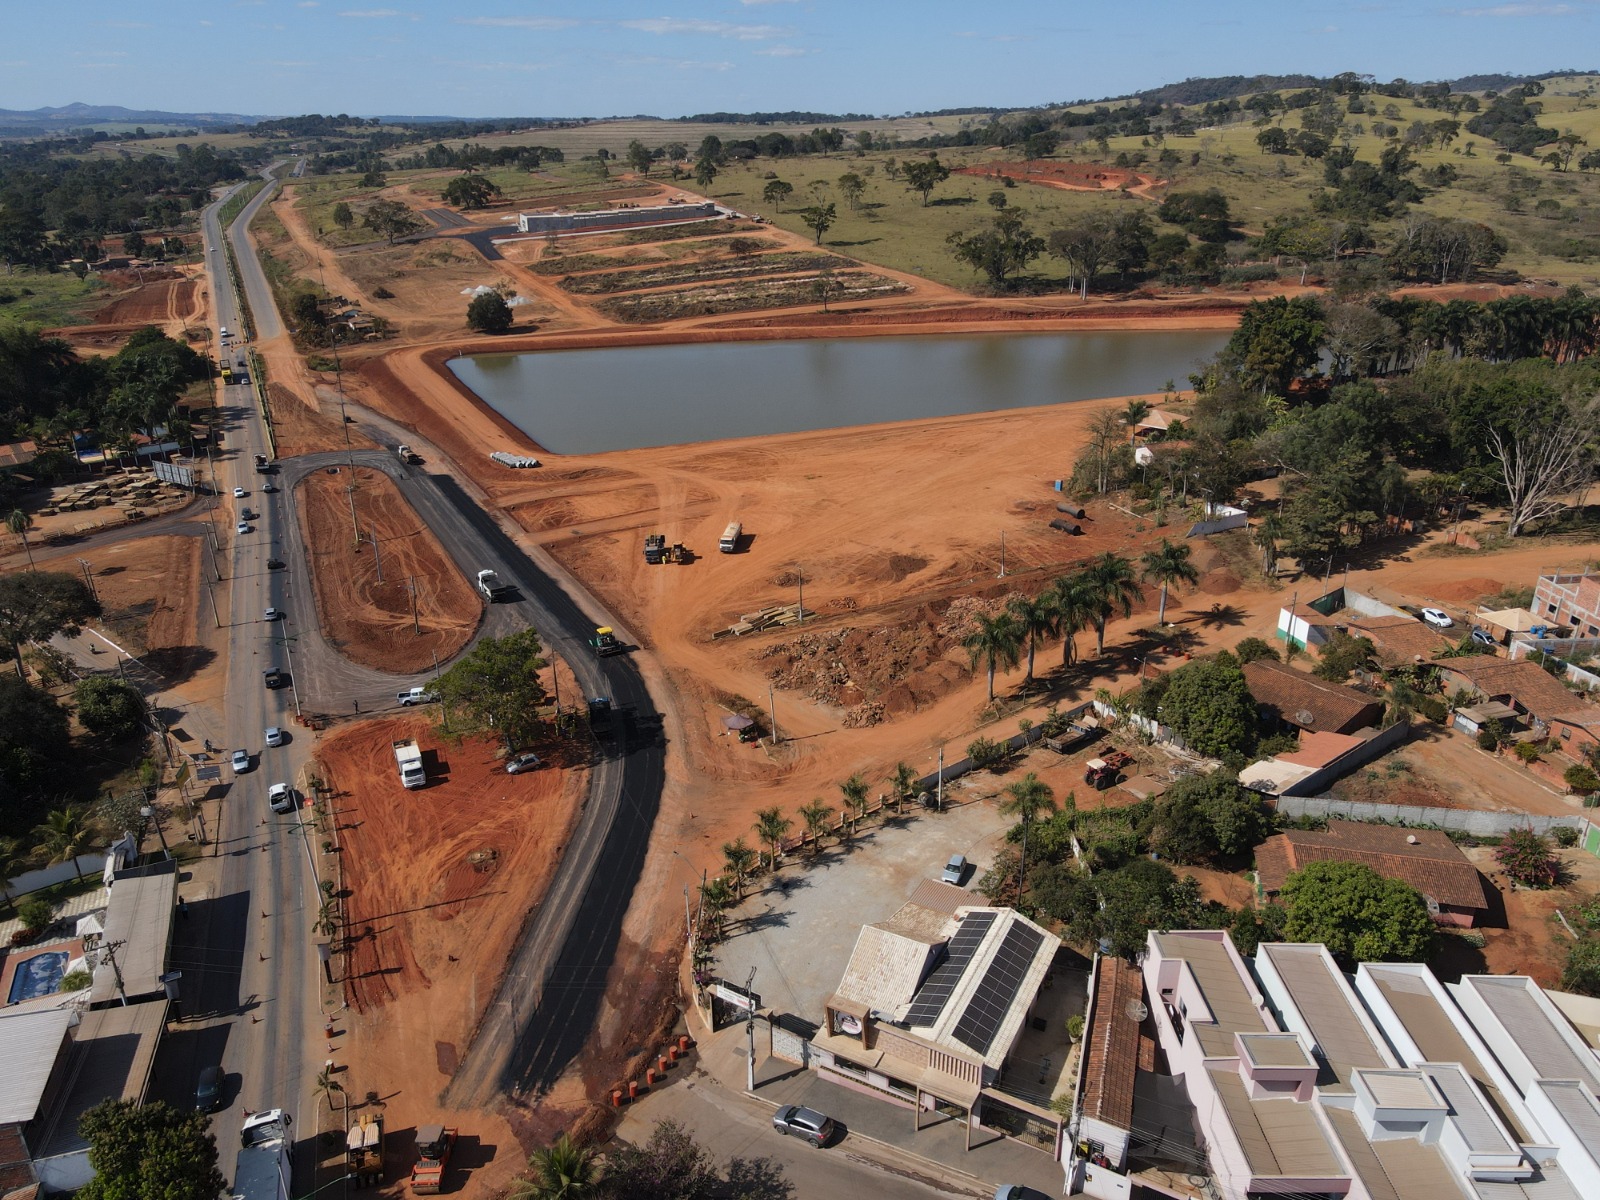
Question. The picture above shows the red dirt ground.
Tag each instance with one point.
(430, 930)
(1078, 177)
(370, 621)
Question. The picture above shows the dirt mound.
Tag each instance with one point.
(1467, 591)
(1088, 176)
(151, 303)
(420, 607)
(1221, 582)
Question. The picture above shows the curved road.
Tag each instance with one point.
(548, 999)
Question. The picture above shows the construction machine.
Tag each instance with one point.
(434, 1144)
(655, 548)
(1105, 772)
(604, 642)
(364, 1150)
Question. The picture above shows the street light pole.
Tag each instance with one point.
(88, 578)
(149, 814)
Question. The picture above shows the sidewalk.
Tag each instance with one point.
(873, 1128)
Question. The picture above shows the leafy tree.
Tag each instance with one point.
(342, 216)
(852, 187)
(1252, 926)
(1526, 857)
(997, 641)
(1357, 913)
(1085, 245)
(1547, 451)
(772, 827)
(1210, 706)
(33, 737)
(1168, 565)
(15, 858)
(149, 1151)
(1109, 581)
(924, 175)
(673, 1166)
(470, 191)
(488, 312)
(1025, 800)
(1204, 214)
(638, 155)
(1277, 340)
(1342, 654)
(1237, 817)
(109, 708)
(819, 218)
(776, 192)
(705, 170)
(1000, 251)
(37, 605)
(496, 685)
(392, 219)
(1254, 649)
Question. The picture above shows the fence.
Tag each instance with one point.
(1479, 824)
(88, 865)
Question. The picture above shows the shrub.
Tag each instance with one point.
(1528, 752)
(1487, 740)
(1434, 709)
(985, 752)
(1075, 1026)
(36, 915)
(1581, 778)
(1525, 857)
(1565, 836)
(489, 313)
(382, 293)
(75, 981)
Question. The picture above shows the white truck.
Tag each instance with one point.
(490, 585)
(416, 695)
(263, 1168)
(406, 454)
(408, 756)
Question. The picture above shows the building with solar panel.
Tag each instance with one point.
(933, 1003)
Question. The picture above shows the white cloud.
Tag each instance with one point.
(679, 64)
(782, 51)
(373, 13)
(521, 22)
(1520, 10)
(722, 29)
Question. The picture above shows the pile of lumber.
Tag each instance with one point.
(765, 618)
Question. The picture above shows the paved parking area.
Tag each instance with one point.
(799, 929)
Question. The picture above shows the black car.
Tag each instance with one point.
(208, 1092)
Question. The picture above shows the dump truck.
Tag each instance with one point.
(416, 695)
(263, 1168)
(1102, 773)
(490, 585)
(729, 542)
(408, 755)
(363, 1144)
(604, 642)
(655, 548)
(227, 373)
(406, 454)
(434, 1144)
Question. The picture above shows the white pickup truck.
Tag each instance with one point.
(416, 695)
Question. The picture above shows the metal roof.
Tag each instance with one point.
(1278, 1137)
(29, 1045)
(1473, 1120)
(1577, 1108)
(110, 1059)
(139, 914)
(1322, 997)
(1275, 1050)
(1401, 1169)
(936, 990)
(1511, 1000)
(1546, 1183)
(1232, 1007)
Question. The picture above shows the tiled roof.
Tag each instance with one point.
(1319, 748)
(1112, 1043)
(1306, 701)
(1529, 685)
(1586, 718)
(1432, 864)
(1400, 639)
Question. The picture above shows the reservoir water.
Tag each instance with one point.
(592, 401)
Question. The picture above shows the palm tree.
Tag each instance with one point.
(904, 780)
(997, 640)
(14, 859)
(1111, 585)
(816, 815)
(854, 791)
(1269, 532)
(738, 859)
(327, 922)
(19, 523)
(771, 825)
(717, 896)
(327, 1087)
(1035, 617)
(1168, 564)
(1072, 609)
(62, 837)
(1026, 799)
(561, 1171)
(1134, 412)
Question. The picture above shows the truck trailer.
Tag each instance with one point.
(263, 1169)
(364, 1150)
(408, 756)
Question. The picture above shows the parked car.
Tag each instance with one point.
(1482, 636)
(1437, 617)
(274, 736)
(280, 797)
(240, 761)
(523, 762)
(208, 1091)
(955, 869)
(792, 1120)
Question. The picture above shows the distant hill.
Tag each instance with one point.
(1211, 88)
(75, 116)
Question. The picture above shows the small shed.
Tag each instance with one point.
(1471, 719)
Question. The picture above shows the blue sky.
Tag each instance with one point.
(671, 57)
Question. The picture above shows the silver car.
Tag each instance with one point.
(274, 736)
(793, 1120)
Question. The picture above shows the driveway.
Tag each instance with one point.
(799, 929)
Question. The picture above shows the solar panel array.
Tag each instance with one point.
(935, 991)
(992, 1000)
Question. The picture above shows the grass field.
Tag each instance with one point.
(49, 298)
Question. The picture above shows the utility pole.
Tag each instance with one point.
(750, 1031)
(88, 578)
(111, 949)
(772, 712)
(939, 803)
(800, 582)
(212, 596)
(372, 535)
(688, 924)
(351, 492)
(411, 583)
(1002, 554)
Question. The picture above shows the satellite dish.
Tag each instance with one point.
(1305, 717)
(1138, 1010)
